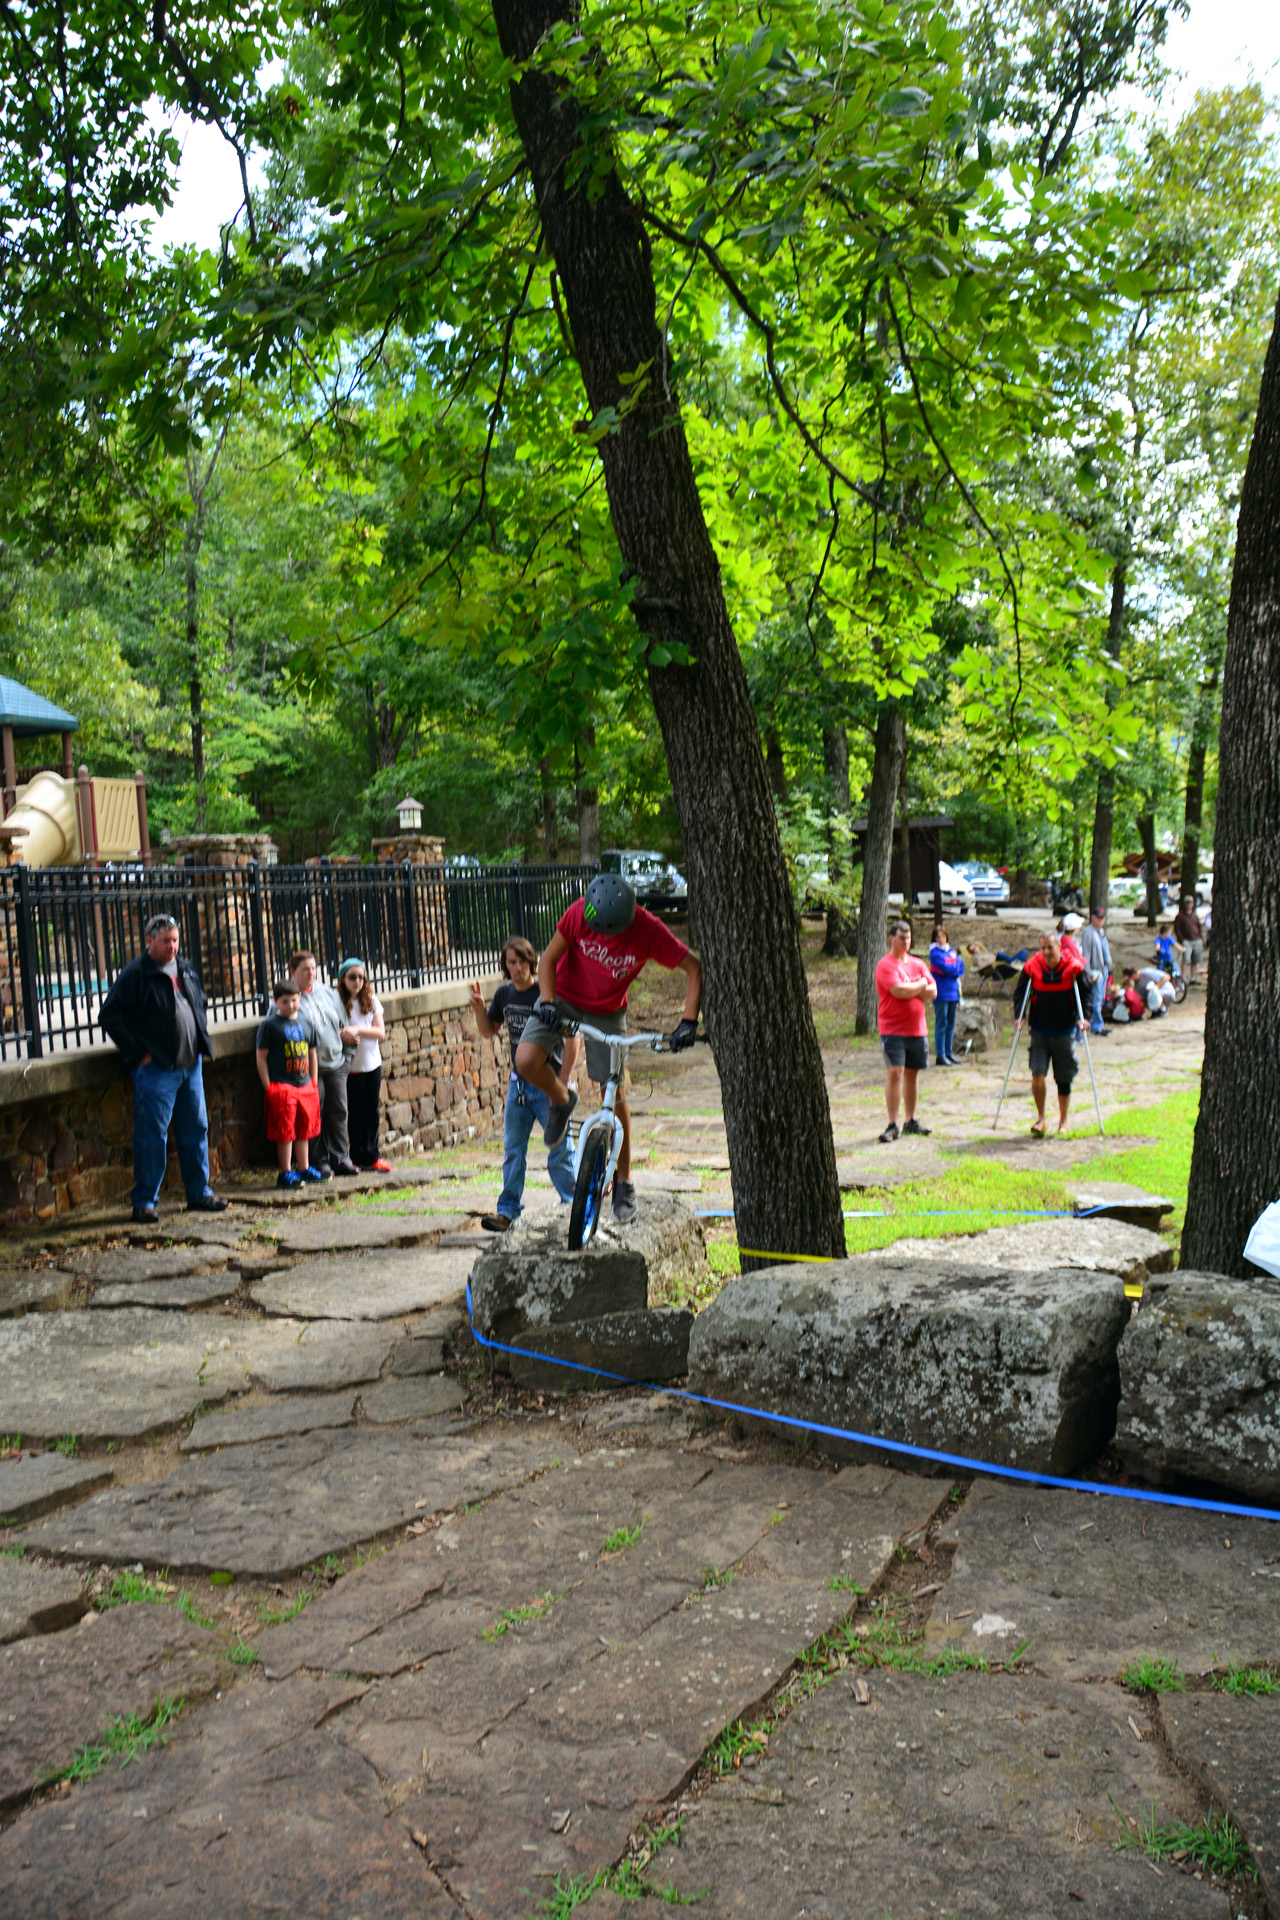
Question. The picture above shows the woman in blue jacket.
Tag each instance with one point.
(947, 968)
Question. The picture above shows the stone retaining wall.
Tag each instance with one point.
(66, 1122)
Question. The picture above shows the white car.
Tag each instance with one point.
(957, 895)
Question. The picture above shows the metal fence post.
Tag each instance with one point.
(27, 961)
(329, 918)
(411, 924)
(258, 935)
(191, 914)
(519, 905)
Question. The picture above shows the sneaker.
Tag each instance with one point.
(378, 1166)
(495, 1222)
(312, 1176)
(890, 1132)
(558, 1121)
(346, 1168)
(290, 1179)
(913, 1126)
(624, 1202)
(145, 1217)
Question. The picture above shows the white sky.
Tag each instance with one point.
(1223, 43)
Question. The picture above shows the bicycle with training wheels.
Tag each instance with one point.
(595, 1158)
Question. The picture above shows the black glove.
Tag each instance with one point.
(547, 1014)
(684, 1036)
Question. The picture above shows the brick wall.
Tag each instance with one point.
(66, 1122)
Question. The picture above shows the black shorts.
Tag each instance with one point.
(905, 1050)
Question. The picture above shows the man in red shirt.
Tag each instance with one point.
(905, 987)
(586, 967)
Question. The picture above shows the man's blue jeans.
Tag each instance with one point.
(517, 1125)
(160, 1095)
(944, 1026)
(1097, 994)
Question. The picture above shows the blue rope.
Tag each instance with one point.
(876, 1440)
(934, 1213)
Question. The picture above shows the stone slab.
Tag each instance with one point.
(59, 1692)
(682, 1182)
(1120, 1200)
(37, 1600)
(1094, 1583)
(120, 1266)
(365, 1286)
(195, 1229)
(325, 1230)
(418, 1397)
(529, 1280)
(269, 1508)
(978, 1794)
(419, 1355)
(174, 1296)
(1200, 1384)
(37, 1483)
(1017, 1368)
(1231, 1746)
(1033, 1246)
(122, 1374)
(41, 1291)
(252, 1808)
(295, 1413)
(649, 1344)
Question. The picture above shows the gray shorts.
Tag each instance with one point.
(1057, 1050)
(907, 1050)
(549, 1038)
(1194, 953)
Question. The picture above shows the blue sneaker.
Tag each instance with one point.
(290, 1179)
(312, 1176)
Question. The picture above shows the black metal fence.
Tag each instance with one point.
(65, 933)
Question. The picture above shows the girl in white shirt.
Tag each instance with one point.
(364, 1028)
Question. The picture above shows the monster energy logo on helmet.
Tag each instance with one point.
(609, 904)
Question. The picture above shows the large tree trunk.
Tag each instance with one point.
(842, 939)
(587, 794)
(904, 839)
(886, 768)
(1235, 1166)
(777, 1118)
(550, 821)
(1104, 808)
(1201, 728)
(1146, 825)
(195, 683)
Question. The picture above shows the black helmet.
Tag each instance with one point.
(609, 904)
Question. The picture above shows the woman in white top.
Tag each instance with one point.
(364, 1028)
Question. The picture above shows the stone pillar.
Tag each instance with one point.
(430, 900)
(222, 906)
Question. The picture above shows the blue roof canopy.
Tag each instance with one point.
(28, 712)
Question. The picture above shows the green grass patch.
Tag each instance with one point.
(516, 1616)
(623, 1538)
(1153, 1675)
(276, 1616)
(841, 1583)
(68, 1446)
(1214, 1844)
(120, 1740)
(10, 1443)
(244, 1655)
(130, 1589)
(713, 1578)
(1246, 1680)
(1163, 1166)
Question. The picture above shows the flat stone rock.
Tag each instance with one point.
(39, 1482)
(529, 1280)
(365, 1286)
(419, 1355)
(419, 1397)
(119, 1266)
(41, 1291)
(1094, 1583)
(1232, 1746)
(651, 1343)
(1033, 1246)
(253, 1807)
(37, 1599)
(178, 1295)
(59, 1692)
(122, 1374)
(976, 1794)
(295, 1413)
(1017, 1368)
(1200, 1384)
(683, 1182)
(325, 1230)
(1120, 1200)
(194, 1229)
(268, 1508)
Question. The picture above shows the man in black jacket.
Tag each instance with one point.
(155, 1014)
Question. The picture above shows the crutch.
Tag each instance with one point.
(1017, 1029)
(1097, 1104)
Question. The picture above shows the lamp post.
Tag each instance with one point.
(409, 815)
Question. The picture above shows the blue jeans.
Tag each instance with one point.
(160, 1095)
(1097, 994)
(944, 1026)
(517, 1125)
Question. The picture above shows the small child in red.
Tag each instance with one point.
(288, 1069)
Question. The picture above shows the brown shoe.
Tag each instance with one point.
(495, 1222)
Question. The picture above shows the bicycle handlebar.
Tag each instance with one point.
(660, 1042)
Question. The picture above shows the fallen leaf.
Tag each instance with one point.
(923, 1553)
(1137, 1731)
(934, 1587)
(560, 1821)
(861, 1692)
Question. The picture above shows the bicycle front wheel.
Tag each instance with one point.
(588, 1189)
(1179, 991)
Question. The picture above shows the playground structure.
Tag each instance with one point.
(57, 817)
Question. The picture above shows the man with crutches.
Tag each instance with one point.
(1048, 994)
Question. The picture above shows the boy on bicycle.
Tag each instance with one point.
(594, 954)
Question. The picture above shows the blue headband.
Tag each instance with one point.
(348, 964)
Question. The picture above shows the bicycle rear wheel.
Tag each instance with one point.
(1179, 991)
(588, 1189)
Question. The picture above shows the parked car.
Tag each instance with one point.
(957, 894)
(659, 886)
(811, 875)
(990, 888)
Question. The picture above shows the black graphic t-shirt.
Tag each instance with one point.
(288, 1050)
(513, 1008)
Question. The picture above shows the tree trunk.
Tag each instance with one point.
(1235, 1166)
(195, 684)
(1147, 834)
(777, 1118)
(886, 767)
(1103, 812)
(842, 940)
(904, 841)
(773, 764)
(588, 795)
(550, 822)
(1201, 728)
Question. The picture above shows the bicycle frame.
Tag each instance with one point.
(619, 1045)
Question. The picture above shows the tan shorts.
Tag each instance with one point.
(549, 1038)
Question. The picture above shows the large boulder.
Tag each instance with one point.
(1200, 1383)
(651, 1344)
(1098, 1246)
(529, 1280)
(1016, 1368)
(977, 1028)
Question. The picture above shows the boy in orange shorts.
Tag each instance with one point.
(289, 1072)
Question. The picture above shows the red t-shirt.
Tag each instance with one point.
(901, 1016)
(599, 967)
